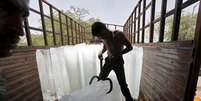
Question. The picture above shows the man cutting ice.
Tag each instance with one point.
(116, 44)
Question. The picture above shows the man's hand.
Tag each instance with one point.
(100, 56)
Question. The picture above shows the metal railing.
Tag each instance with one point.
(114, 26)
(73, 33)
(135, 24)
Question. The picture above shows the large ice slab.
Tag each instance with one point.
(65, 73)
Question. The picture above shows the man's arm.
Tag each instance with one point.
(100, 55)
(104, 49)
(127, 44)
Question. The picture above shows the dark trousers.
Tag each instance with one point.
(116, 64)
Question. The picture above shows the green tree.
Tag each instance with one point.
(78, 15)
(186, 30)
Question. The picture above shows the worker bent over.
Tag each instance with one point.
(114, 43)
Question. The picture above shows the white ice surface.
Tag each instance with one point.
(65, 73)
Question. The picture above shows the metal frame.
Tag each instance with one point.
(195, 66)
(68, 25)
(176, 12)
(115, 26)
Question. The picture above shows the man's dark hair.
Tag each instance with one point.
(97, 27)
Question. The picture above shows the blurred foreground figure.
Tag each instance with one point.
(12, 15)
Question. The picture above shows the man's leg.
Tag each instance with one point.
(105, 70)
(122, 82)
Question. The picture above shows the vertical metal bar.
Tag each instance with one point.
(43, 22)
(130, 28)
(127, 29)
(28, 33)
(71, 25)
(53, 28)
(81, 28)
(124, 29)
(79, 37)
(195, 67)
(77, 30)
(138, 36)
(115, 27)
(176, 21)
(80, 41)
(129, 32)
(67, 30)
(153, 3)
(85, 38)
(83, 34)
(143, 20)
(134, 26)
(162, 22)
(80, 33)
(75, 24)
(61, 28)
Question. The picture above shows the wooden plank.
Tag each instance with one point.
(164, 71)
(21, 76)
(167, 44)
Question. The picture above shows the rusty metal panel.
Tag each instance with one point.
(165, 71)
(19, 76)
